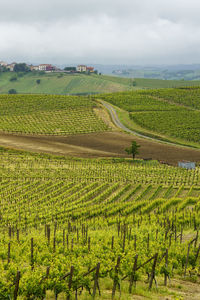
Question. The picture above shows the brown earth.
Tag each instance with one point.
(107, 144)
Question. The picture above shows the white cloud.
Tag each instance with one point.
(106, 31)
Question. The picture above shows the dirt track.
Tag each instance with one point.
(108, 144)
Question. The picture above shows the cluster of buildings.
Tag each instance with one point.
(9, 67)
(49, 68)
(41, 67)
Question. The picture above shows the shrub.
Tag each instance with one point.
(12, 91)
(13, 78)
(21, 74)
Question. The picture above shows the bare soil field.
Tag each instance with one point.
(107, 144)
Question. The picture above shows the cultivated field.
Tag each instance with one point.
(54, 115)
(103, 228)
(72, 225)
(94, 145)
(171, 113)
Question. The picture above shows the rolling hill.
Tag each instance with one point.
(62, 83)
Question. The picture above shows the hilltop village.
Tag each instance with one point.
(23, 67)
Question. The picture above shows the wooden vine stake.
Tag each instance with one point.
(197, 254)
(187, 258)
(135, 242)
(196, 240)
(152, 277)
(18, 235)
(181, 235)
(115, 283)
(10, 232)
(16, 285)
(124, 239)
(77, 235)
(188, 252)
(148, 242)
(48, 233)
(67, 239)
(8, 253)
(96, 280)
(118, 228)
(132, 277)
(54, 244)
(166, 264)
(64, 238)
(112, 244)
(70, 281)
(32, 262)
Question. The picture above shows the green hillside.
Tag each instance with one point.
(62, 83)
(148, 83)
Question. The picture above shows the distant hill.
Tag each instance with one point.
(160, 83)
(63, 84)
(179, 72)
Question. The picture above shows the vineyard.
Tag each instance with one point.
(189, 96)
(54, 115)
(85, 229)
(75, 228)
(173, 113)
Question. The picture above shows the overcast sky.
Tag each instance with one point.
(100, 31)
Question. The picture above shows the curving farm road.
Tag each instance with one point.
(117, 122)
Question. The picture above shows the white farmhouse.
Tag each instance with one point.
(46, 67)
(11, 66)
(81, 68)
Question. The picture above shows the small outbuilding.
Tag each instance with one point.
(187, 165)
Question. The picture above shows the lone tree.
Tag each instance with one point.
(133, 149)
(22, 67)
